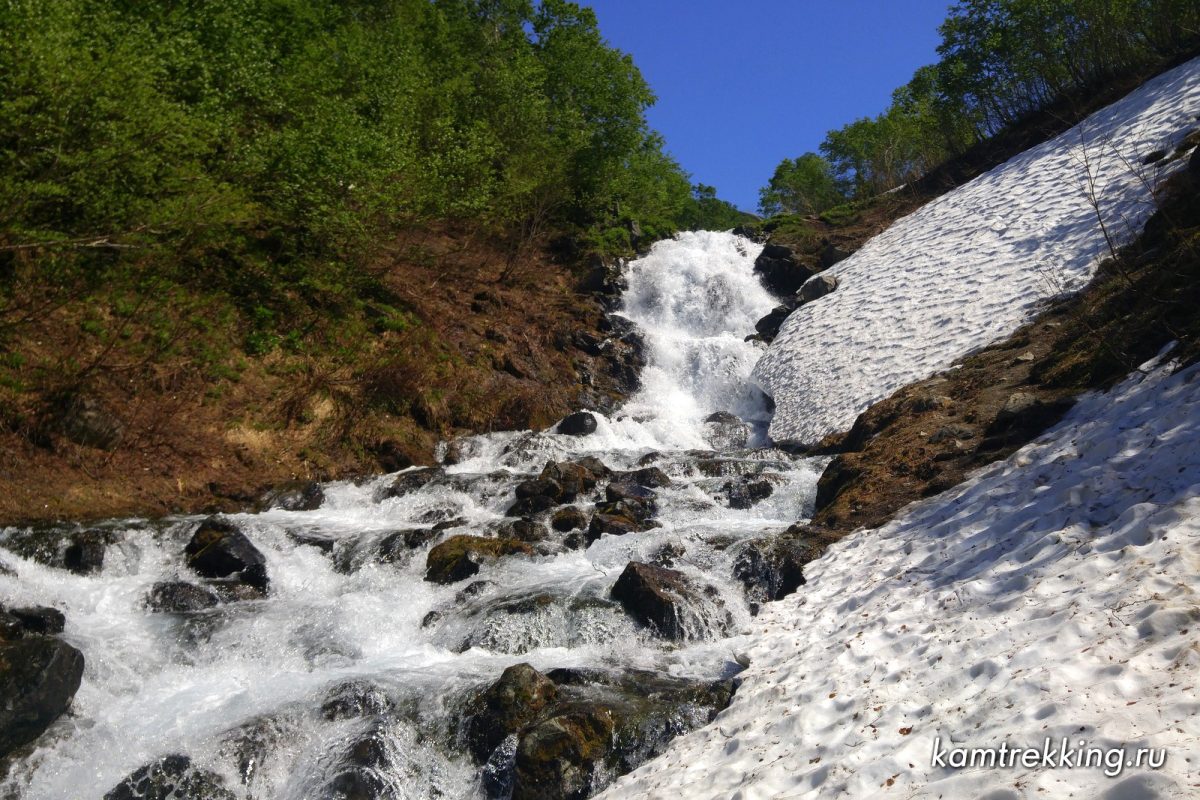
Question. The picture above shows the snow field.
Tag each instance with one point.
(973, 265)
(1056, 593)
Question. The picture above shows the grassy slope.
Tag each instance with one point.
(208, 425)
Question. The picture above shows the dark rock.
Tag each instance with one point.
(178, 597)
(830, 255)
(779, 272)
(1154, 157)
(171, 778)
(411, 481)
(745, 493)
(457, 451)
(647, 476)
(568, 519)
(768, 327)
(661, 599)
(530, 506)
(523, 530)
(581, 423)
(355, 699)
(299, 496)
(576, 540)
(85, 421)
(473, 589)
(361, 770)
(541, 487)
(459, 557)
(817, 287)
(1194, 163)
(38, 620)
(611, 524)
(505, 707)
(85, 553)
(559, 757)
(218, 550)
(630, 492)
(396, 547)
(773, 567)
(575, 478)
(38, 678)
(838, 474)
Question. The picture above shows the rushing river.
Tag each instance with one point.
(262, 671)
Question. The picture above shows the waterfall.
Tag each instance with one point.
(244, 689)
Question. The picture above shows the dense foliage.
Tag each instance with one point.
(1000, 61)
(268, 147)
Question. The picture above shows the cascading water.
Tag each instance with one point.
(256, 691)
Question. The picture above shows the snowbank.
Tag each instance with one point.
(1054, 594)
(972, 266)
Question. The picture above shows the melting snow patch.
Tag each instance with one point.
(1055, 594)
(972, 266)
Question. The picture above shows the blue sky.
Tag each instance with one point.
(744, 85)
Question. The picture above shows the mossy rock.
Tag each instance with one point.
(460, 557)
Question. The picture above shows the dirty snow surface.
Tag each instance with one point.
(972, 266)
(1055, 594)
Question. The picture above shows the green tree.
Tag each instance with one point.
(803, 185)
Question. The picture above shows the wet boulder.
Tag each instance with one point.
(662, 599)
(779, 271)
(743, 493)
(817, 287)
(650, 477)
(725, 431)
(773, 567)
(514, 701)
(581, 423)
(410, 481)
(38, 620)
(171, 778)
(180, 597)
(768, 327)
(356, 699)
(81, 552)
(460, 557)
(568, 519)
(575, 477)
(539, 487)
(522, 530)
(613, 525)
(219, 550)
(39, 676)
(559, 757)
(530, 506)
(296, 496)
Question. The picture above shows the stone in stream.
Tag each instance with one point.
(460, 557)
(180, 597)
(773, 567)
(411, 481)
(613, 525)
(568, 519)
(81, 552)
(664, 600)
(171, 778)
(38, 619)
(219, 550)
(725, 431)
(575, 477)
(39, 676)
(569, 732)
(539, 487)
(529, 506)
(581, 423)
(744, 493)
(504, 708)
(294, 496)
(356, 699)
(523, 530)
